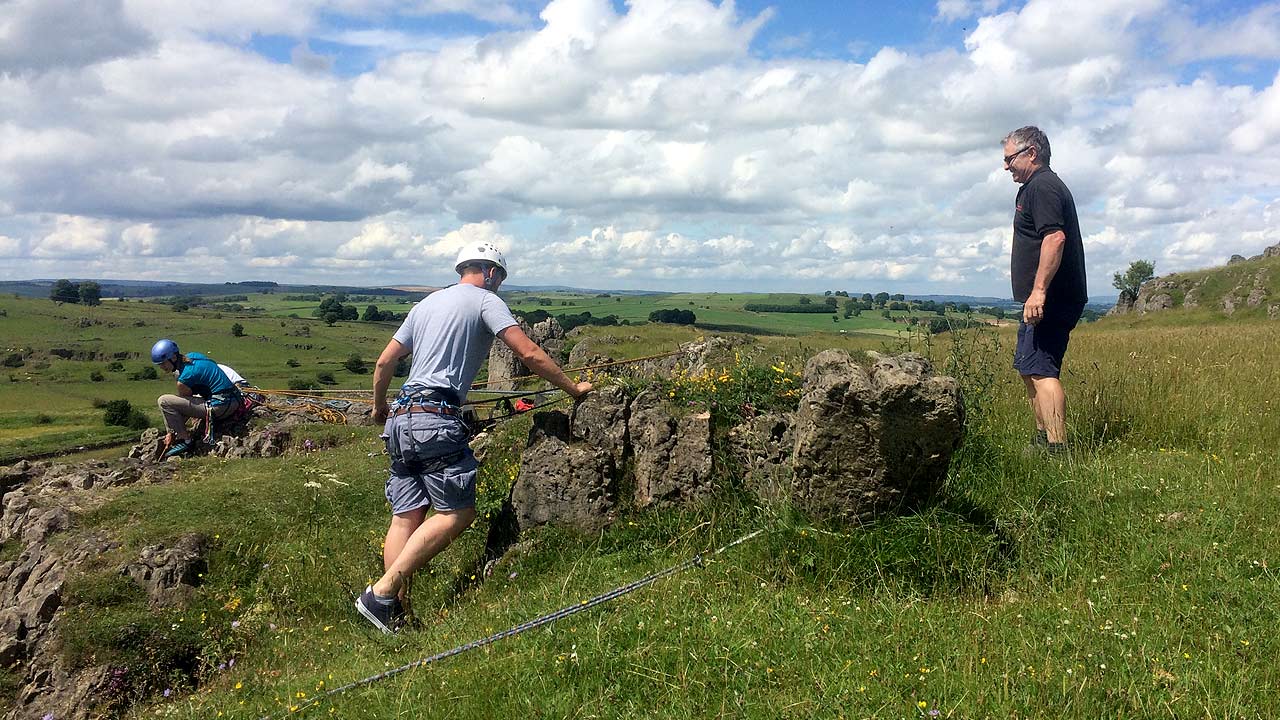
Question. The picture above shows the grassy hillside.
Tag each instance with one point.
(1135, 579)
(1214, 288)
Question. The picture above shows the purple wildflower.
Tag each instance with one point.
(168, 692)
(235, 624)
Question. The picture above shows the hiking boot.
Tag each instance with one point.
(387, 617)
(179, 448)
(1038, 444)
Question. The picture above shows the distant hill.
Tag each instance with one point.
(1242, 286)
(153, 288)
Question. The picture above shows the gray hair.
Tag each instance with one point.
(1031, 136)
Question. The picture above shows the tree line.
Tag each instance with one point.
(81, 293)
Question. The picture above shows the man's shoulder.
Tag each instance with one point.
(197, 356)
(1048, 179)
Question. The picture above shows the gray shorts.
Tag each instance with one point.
(431, 463)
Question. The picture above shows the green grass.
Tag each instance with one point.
(1134, 579)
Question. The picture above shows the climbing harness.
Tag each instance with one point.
(696, 560)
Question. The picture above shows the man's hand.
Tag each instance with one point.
(380, 412)
(1033, 308)
(580, 389)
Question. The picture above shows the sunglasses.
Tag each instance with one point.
(1009, 158)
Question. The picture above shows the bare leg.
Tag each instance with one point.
(401, 529)
(1051, 401)
(1029, 381)
(428, 540)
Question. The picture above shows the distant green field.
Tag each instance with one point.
(279, 332)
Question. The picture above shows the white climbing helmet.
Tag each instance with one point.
(471, 252)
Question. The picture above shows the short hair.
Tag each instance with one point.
(1031, 136)
(480, 265)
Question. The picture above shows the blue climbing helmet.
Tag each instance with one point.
(164, 349)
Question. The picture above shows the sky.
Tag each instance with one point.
(681, 145)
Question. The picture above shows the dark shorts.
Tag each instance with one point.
(431, 463)
(1042, 346)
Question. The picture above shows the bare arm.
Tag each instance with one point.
(382, 373)
(184, 391)
(537, 360)
(1051, 248)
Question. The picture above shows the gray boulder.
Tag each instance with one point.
(762, 446)
(563, 481)
(868, 441)
(169, 574)
(503, 364)
(672, 452)
(600, 420)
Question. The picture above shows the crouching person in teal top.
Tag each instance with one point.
(204, 391)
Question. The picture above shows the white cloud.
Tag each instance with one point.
(73, 237)
(1253, 35)
(41, 35)
(139, 240)
(646, 144)
(11, 247)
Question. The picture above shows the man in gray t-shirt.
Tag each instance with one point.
(432, 467)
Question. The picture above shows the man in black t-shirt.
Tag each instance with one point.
(1047, 269)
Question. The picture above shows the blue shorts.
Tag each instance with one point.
(1042, 346)
(431, 463)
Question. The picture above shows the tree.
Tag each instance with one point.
(354, 364)
(676, 317)
(237, 330)
(804, 300)
(371, 314)
(90, 293)
(65, 291)
(882, 298)
(1128, 284)
(866, 297)
(830, 301)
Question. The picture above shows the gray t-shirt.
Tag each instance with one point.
(450, 333)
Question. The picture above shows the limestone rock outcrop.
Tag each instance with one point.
(504, 365)
(868, 441)
(863, 442)
(563, 481)
(169, 574)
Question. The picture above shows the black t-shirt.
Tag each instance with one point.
(1044, 205)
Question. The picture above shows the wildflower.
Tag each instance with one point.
(168, 692)
(235, 624)
(922, 704)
